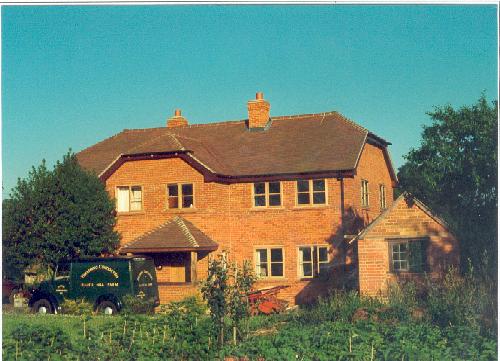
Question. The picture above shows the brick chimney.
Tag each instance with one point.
(258, 112)
(177, 120)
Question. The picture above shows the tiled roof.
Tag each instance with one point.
(176, 234)
(410, 199)
(298, 144)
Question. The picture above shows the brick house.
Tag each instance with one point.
(283, 192)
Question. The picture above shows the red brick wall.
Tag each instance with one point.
(226, 214)
(404, 221)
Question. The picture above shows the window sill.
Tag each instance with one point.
(405, 273)
(261, 209)
(180, 210)
(311, 206)
(134, 213)
(271, 279)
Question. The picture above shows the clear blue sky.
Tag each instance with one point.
(74, 75)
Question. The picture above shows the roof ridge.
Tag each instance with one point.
(322, 114)
(186, 231)
(151, 140)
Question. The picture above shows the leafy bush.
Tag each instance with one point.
(338, 306)
(468, 300)
(37, 342)
(136, 305)
(77, 307)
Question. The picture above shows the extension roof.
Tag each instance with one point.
(177, 234)
(410, 199)
(290, 145)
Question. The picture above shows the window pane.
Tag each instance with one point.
(259, 188)
(303, 186)
(187, 189)
(319, 198)
(319, 185)
(262, 270)
(303, 198)
(173, 190)
(323, 254)
(173, 202)
(274, 187)
(135, 205)
(416, 256)
(276, 255)
(261, 255)
(276, 269)
(323, 267)
(122, 202)
(306, 254)
(187, 201)
(136, 193)
(275, 200)
(307, 270)
(260, 201)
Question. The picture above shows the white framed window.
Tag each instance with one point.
(269, 262)
(180, 195)
(128, 198)
(365, 197)
(311, 191)
(267, 194)
(313, 260)
(382, 196)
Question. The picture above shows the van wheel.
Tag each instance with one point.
(107, 308)
(43, 306)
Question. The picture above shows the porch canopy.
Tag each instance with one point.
(176, 235)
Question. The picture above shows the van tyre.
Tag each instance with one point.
(43, 306)
(107, 308)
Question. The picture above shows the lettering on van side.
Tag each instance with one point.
(145, 283)
(99, 284)
(99, 267)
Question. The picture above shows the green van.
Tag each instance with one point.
(102, 281)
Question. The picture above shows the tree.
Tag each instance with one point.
(57, 215)
(455, 172)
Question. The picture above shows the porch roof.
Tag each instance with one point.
(175, 235)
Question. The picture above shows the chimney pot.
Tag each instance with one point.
(177, 112)
(259, 96)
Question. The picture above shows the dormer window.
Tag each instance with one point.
(267, 194)
(180, 195)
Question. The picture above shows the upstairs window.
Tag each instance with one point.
(128, 198)
(382, 196)
(365, 199)
(313, 260)
(267, 194)
(312, 191)
(408, 255)
(269, 262)
(180, 195)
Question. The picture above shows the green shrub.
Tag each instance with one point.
(136, 305)
(338, 306)
(467, 300)
(37, 342)
(77, 307)
(401, 301)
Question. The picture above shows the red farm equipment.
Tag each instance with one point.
(265, 301)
